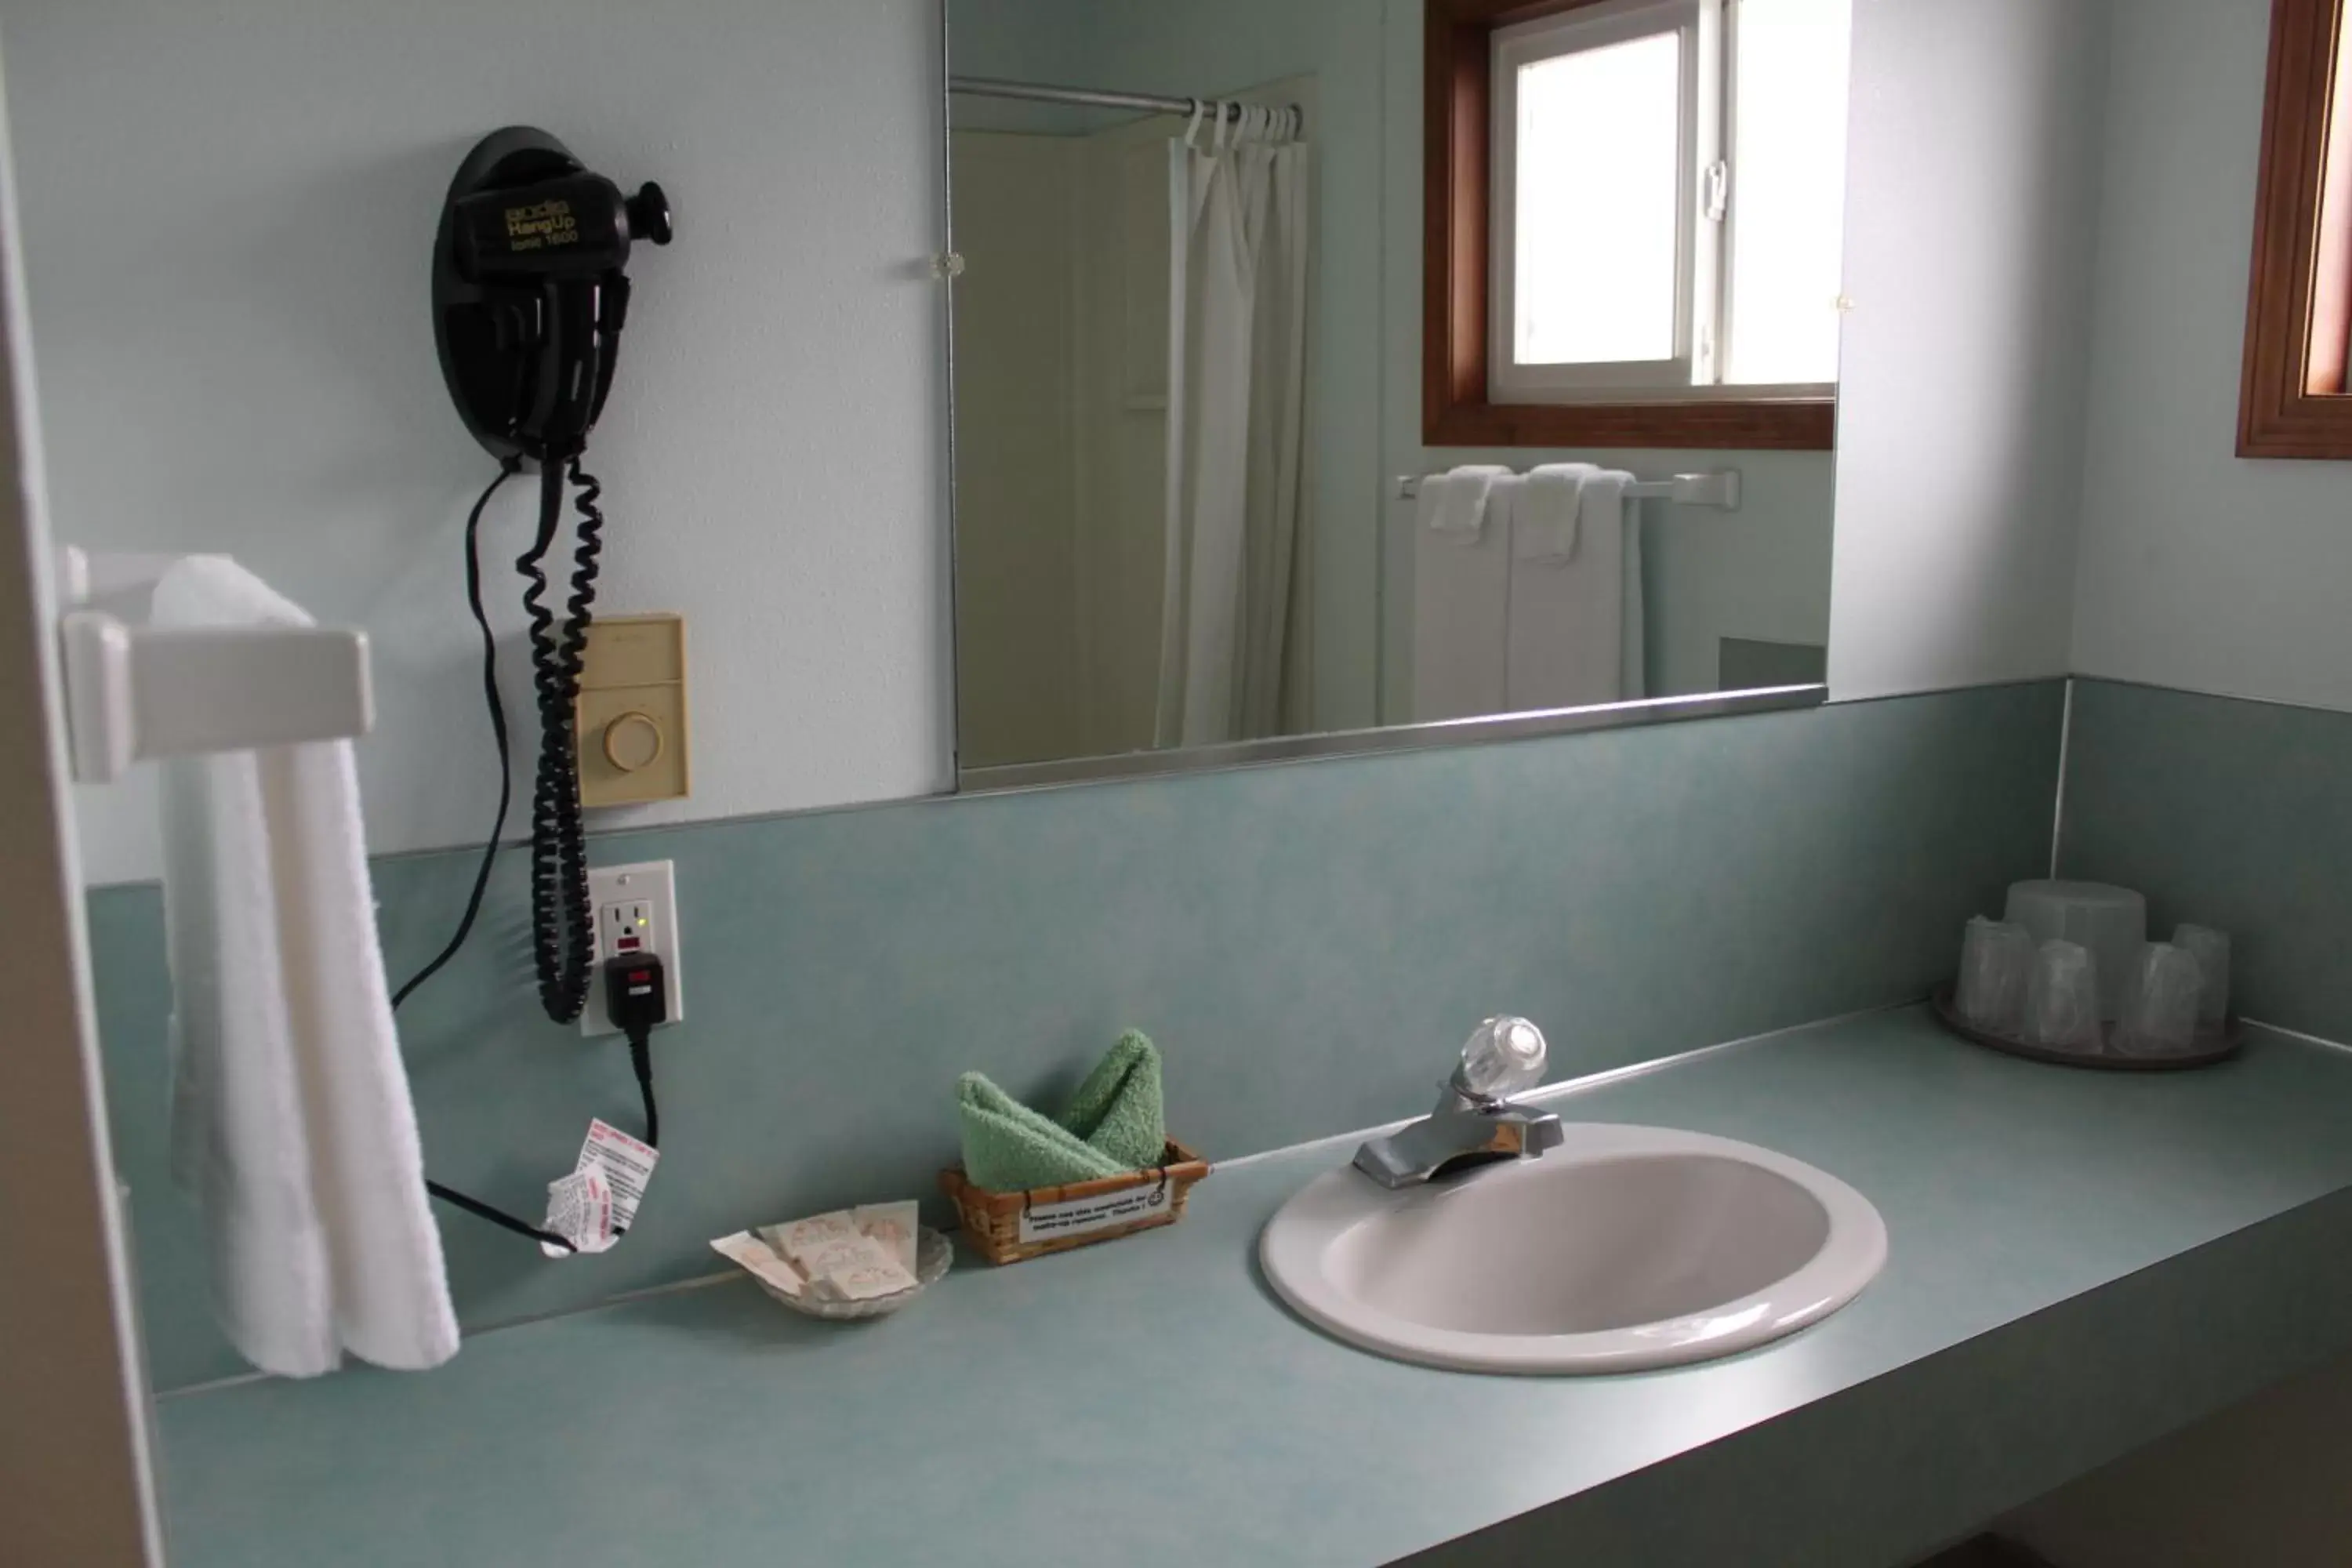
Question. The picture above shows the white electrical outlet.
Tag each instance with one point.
(636, 910)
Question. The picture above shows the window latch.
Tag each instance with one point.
(1718, 190)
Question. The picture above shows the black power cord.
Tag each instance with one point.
(497, 712)
(636, 998)
(563, 944)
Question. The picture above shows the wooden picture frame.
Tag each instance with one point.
(1455, 409)
(2292, 401)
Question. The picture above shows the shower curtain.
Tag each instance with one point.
(1236, 418)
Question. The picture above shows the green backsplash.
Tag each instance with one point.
(2229, 814)
(1308, 944)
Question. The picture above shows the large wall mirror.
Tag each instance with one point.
(1332, 374)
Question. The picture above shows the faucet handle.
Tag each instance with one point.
(1503, 1056)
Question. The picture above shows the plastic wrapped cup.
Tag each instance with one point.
(2161, 1003)
(2211, 947)
(1996, 961)
(2062, 998)
(2112, 923)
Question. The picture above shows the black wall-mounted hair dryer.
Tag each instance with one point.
(529, 291)
(530, 294)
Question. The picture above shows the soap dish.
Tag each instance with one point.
(2214, 1043)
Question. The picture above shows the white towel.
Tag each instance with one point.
(1455, 502)
(1544, 520)
(1461, 594)
(291, 1119)
(1576, 624)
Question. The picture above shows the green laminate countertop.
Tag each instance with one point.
(2079, 1262)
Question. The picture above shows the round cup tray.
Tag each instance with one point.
(2214, 1043)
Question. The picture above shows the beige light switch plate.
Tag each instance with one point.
(631, 712)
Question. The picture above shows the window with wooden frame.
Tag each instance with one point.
(1633, 226)
(2296, 402)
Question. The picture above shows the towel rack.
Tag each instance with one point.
(1719, 489)
(135, 691)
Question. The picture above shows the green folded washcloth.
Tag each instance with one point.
(1009, 1148)
(1113, 1126)
(1117, 1108)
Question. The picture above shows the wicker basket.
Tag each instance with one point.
(1009, 1226)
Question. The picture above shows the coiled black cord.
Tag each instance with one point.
(562, 932)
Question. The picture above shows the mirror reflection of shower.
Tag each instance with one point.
(1131, 367)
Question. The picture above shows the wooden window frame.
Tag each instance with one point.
(2291, 294)
(1456, 410)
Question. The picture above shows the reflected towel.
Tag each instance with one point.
(1455, 502)
(1576, 626)
(1461, 594)
(1544, 522)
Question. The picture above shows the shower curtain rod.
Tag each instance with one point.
(1036, 92)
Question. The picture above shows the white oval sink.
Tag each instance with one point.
(1627, 1247)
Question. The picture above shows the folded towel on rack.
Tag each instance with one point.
(1544, 520)
(291, 1121)
(1461, 587)
(1454, 503)
(1576, 633)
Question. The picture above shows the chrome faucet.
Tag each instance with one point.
(1474, 1119)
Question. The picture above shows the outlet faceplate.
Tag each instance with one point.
(635, 903)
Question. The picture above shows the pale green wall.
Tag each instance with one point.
(1306, 943)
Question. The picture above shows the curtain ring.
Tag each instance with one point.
(1224, 113)
(1193, 132)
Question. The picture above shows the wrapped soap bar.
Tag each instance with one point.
(892, 1224)
(756, 1256)
(857, 1269)
(797, 1239)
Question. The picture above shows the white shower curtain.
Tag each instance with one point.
(1236, 418)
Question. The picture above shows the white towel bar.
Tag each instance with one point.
(1719, 489)
(134, 693)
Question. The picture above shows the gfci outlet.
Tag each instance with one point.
(635, 912)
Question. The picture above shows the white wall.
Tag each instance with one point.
(2199, 569)
(1970, 221)
(229, 214)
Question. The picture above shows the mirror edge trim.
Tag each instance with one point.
(1016, 776)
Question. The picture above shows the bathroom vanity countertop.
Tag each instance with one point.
(2080, 1262)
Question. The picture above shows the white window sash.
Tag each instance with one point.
(1699, 282)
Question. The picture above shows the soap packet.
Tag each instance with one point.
(848, 1255)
